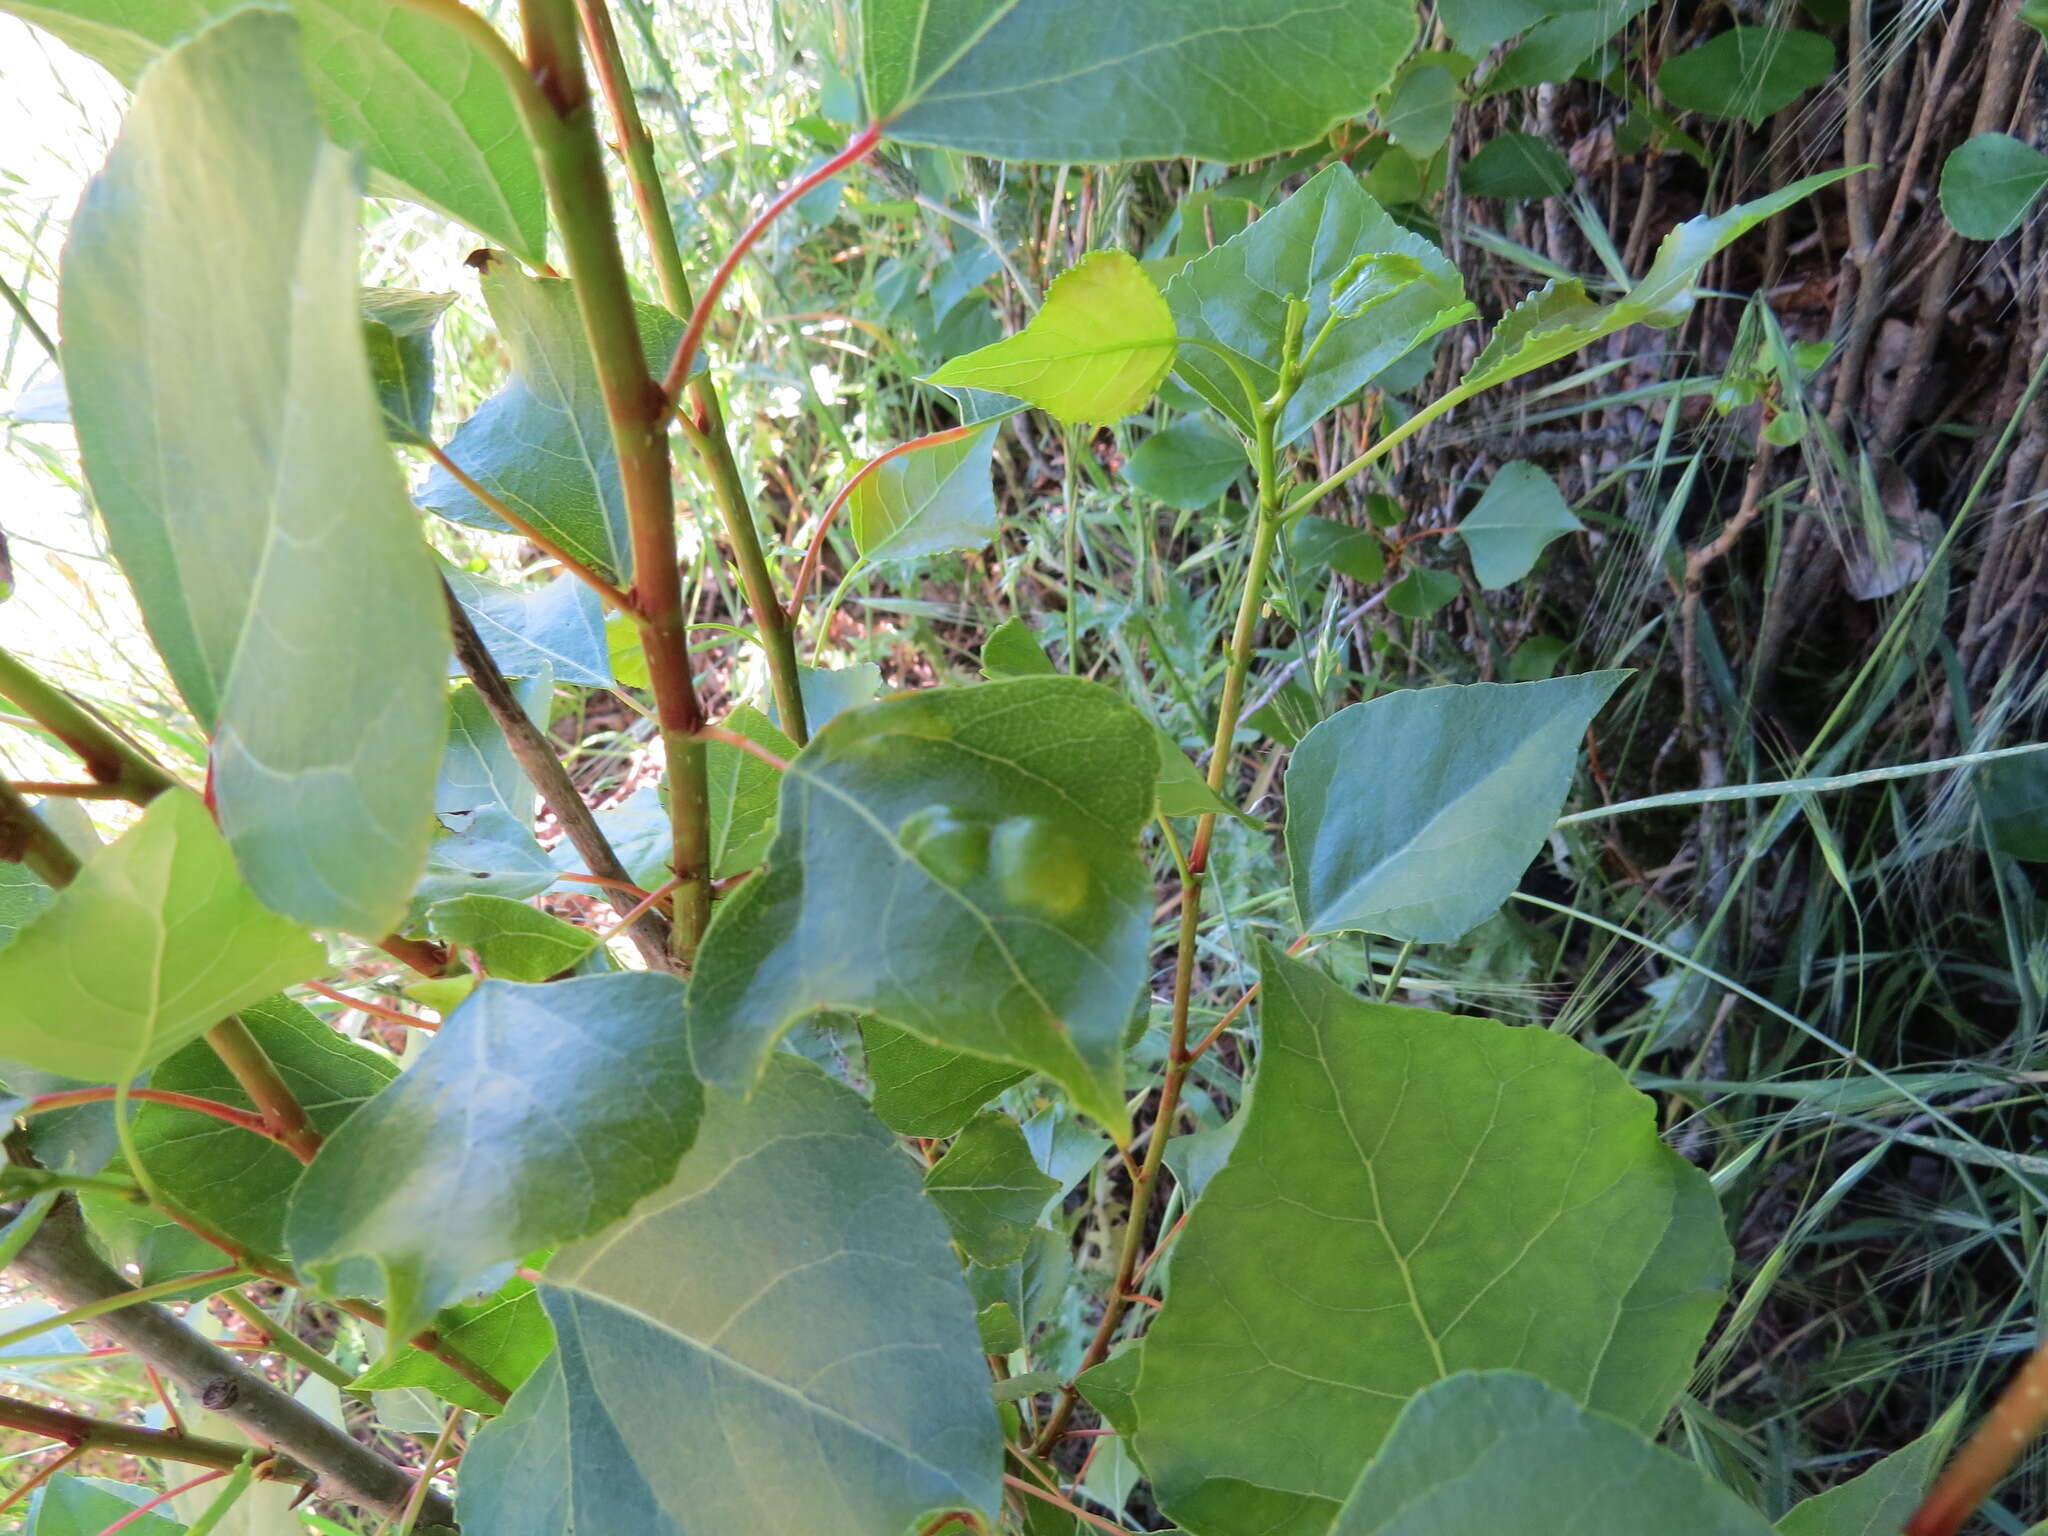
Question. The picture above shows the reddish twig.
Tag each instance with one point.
(44, 1103)
(165, 1497)
(2015, 1419)
(519, 525)
(374, 1010)
(70, 1454)
(646, 902)
(745, 744)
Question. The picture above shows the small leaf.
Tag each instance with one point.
(1415, 814)
(1989, 182)
(1461, 1195)
(1183, 790)
(484, 807)
(543, 443)
(737, 1360)
(154, 943)
(398, 333)
(926, 501)
(1075, 80)
(86, 1506)
(1110, 1387)
(968, 856)
(1012, 650)
(828, 691)
(744, 791)
(236, 450)
(1095, 351)
(1487, 1451)
(416, 96)
(507, 1335)
(1747, 72)
(536, 1115)
(1333, 246)
(1323, 543)
(1421, 593)
(1419, 109)
(2012, 796)
(1515, 166)
(1520, 514)
(557, 629)
(923, 1089)
(1876, 1502)
(1188, 465)
(514, 942)
(989, 1189)
(22, 897)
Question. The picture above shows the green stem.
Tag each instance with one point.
(572, 164)
(108, 756)
(93, 1309)
(16, 1181)
(84, 1434)
(283, 1341)
(284, 1117)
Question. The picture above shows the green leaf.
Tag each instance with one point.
(1747, 72)
(827, 691)
(921, 1089)
(1536, 658)
(507, 1335)
(22, 898)
(1488, 1451)
(1517, 518)
(1188, 465)
(1419, 109)
(233, 1180)
(990, 1190)
(536, 1115)
(513, 942)
(744, 791)
(968, 857)
(556, 629)
(1095, 351)
(417, 97)
(1374, 291)
(1989, 182)
(484, 807)
(1421, 593)
(1413, 815)
(1412, 1195)
(1111, 1387)
(1183, 789)
(2012, 796)
(543, 444)
(1012, 650)
(1074, 80)
(86, 1506)
(398, 333)
(779, 1340)
(1323, 543)
(154, 943)
(1515, 166)
(236, 451)
(927, 501)
(1877, 1502)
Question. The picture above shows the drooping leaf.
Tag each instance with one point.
(1183, 789)
(1877, 1502)
(968, 858)
(538, 1114)
(779, 1340)
(86, 1506)
(235, 448)
(1516, 519)
(507, 1334)
(1095, 351)
(513, 941)
(484, 807)
(1488, 1451)
(1413, 815)
(542, 444)
(1324, 543)
(1422, 593)
(990, 1190)
(927, 501)
(557, 628)
(1188, 465)
(1515, 166)
(921, 1089)
(1989, 182)
(1374, 291)
(417, 97)
(1458, 1195)
(398, 334)
(744, 791)
(1070, 80)
(1012, 650)
(233, 1180)
(1747, 72)
(154, 943)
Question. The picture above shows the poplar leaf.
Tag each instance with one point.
(927, 501)
(1519, 515)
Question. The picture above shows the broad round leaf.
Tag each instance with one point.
(1412, 1195)
(1520, 514)
(1989, 182)
(1188, 465)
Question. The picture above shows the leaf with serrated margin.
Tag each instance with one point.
(214, 351)
(556, 628)
(1491, 1451)
(961, 862)
(1074, 80)
(506, 1334)
(1414, 814)
(1095, 351)
(927, 501)
(990, 1190)
(543, 443)
(1413, 1194)
(1374, 289)
(416, 96)
(154, 943)
(779, 1340)
(536, 1115)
